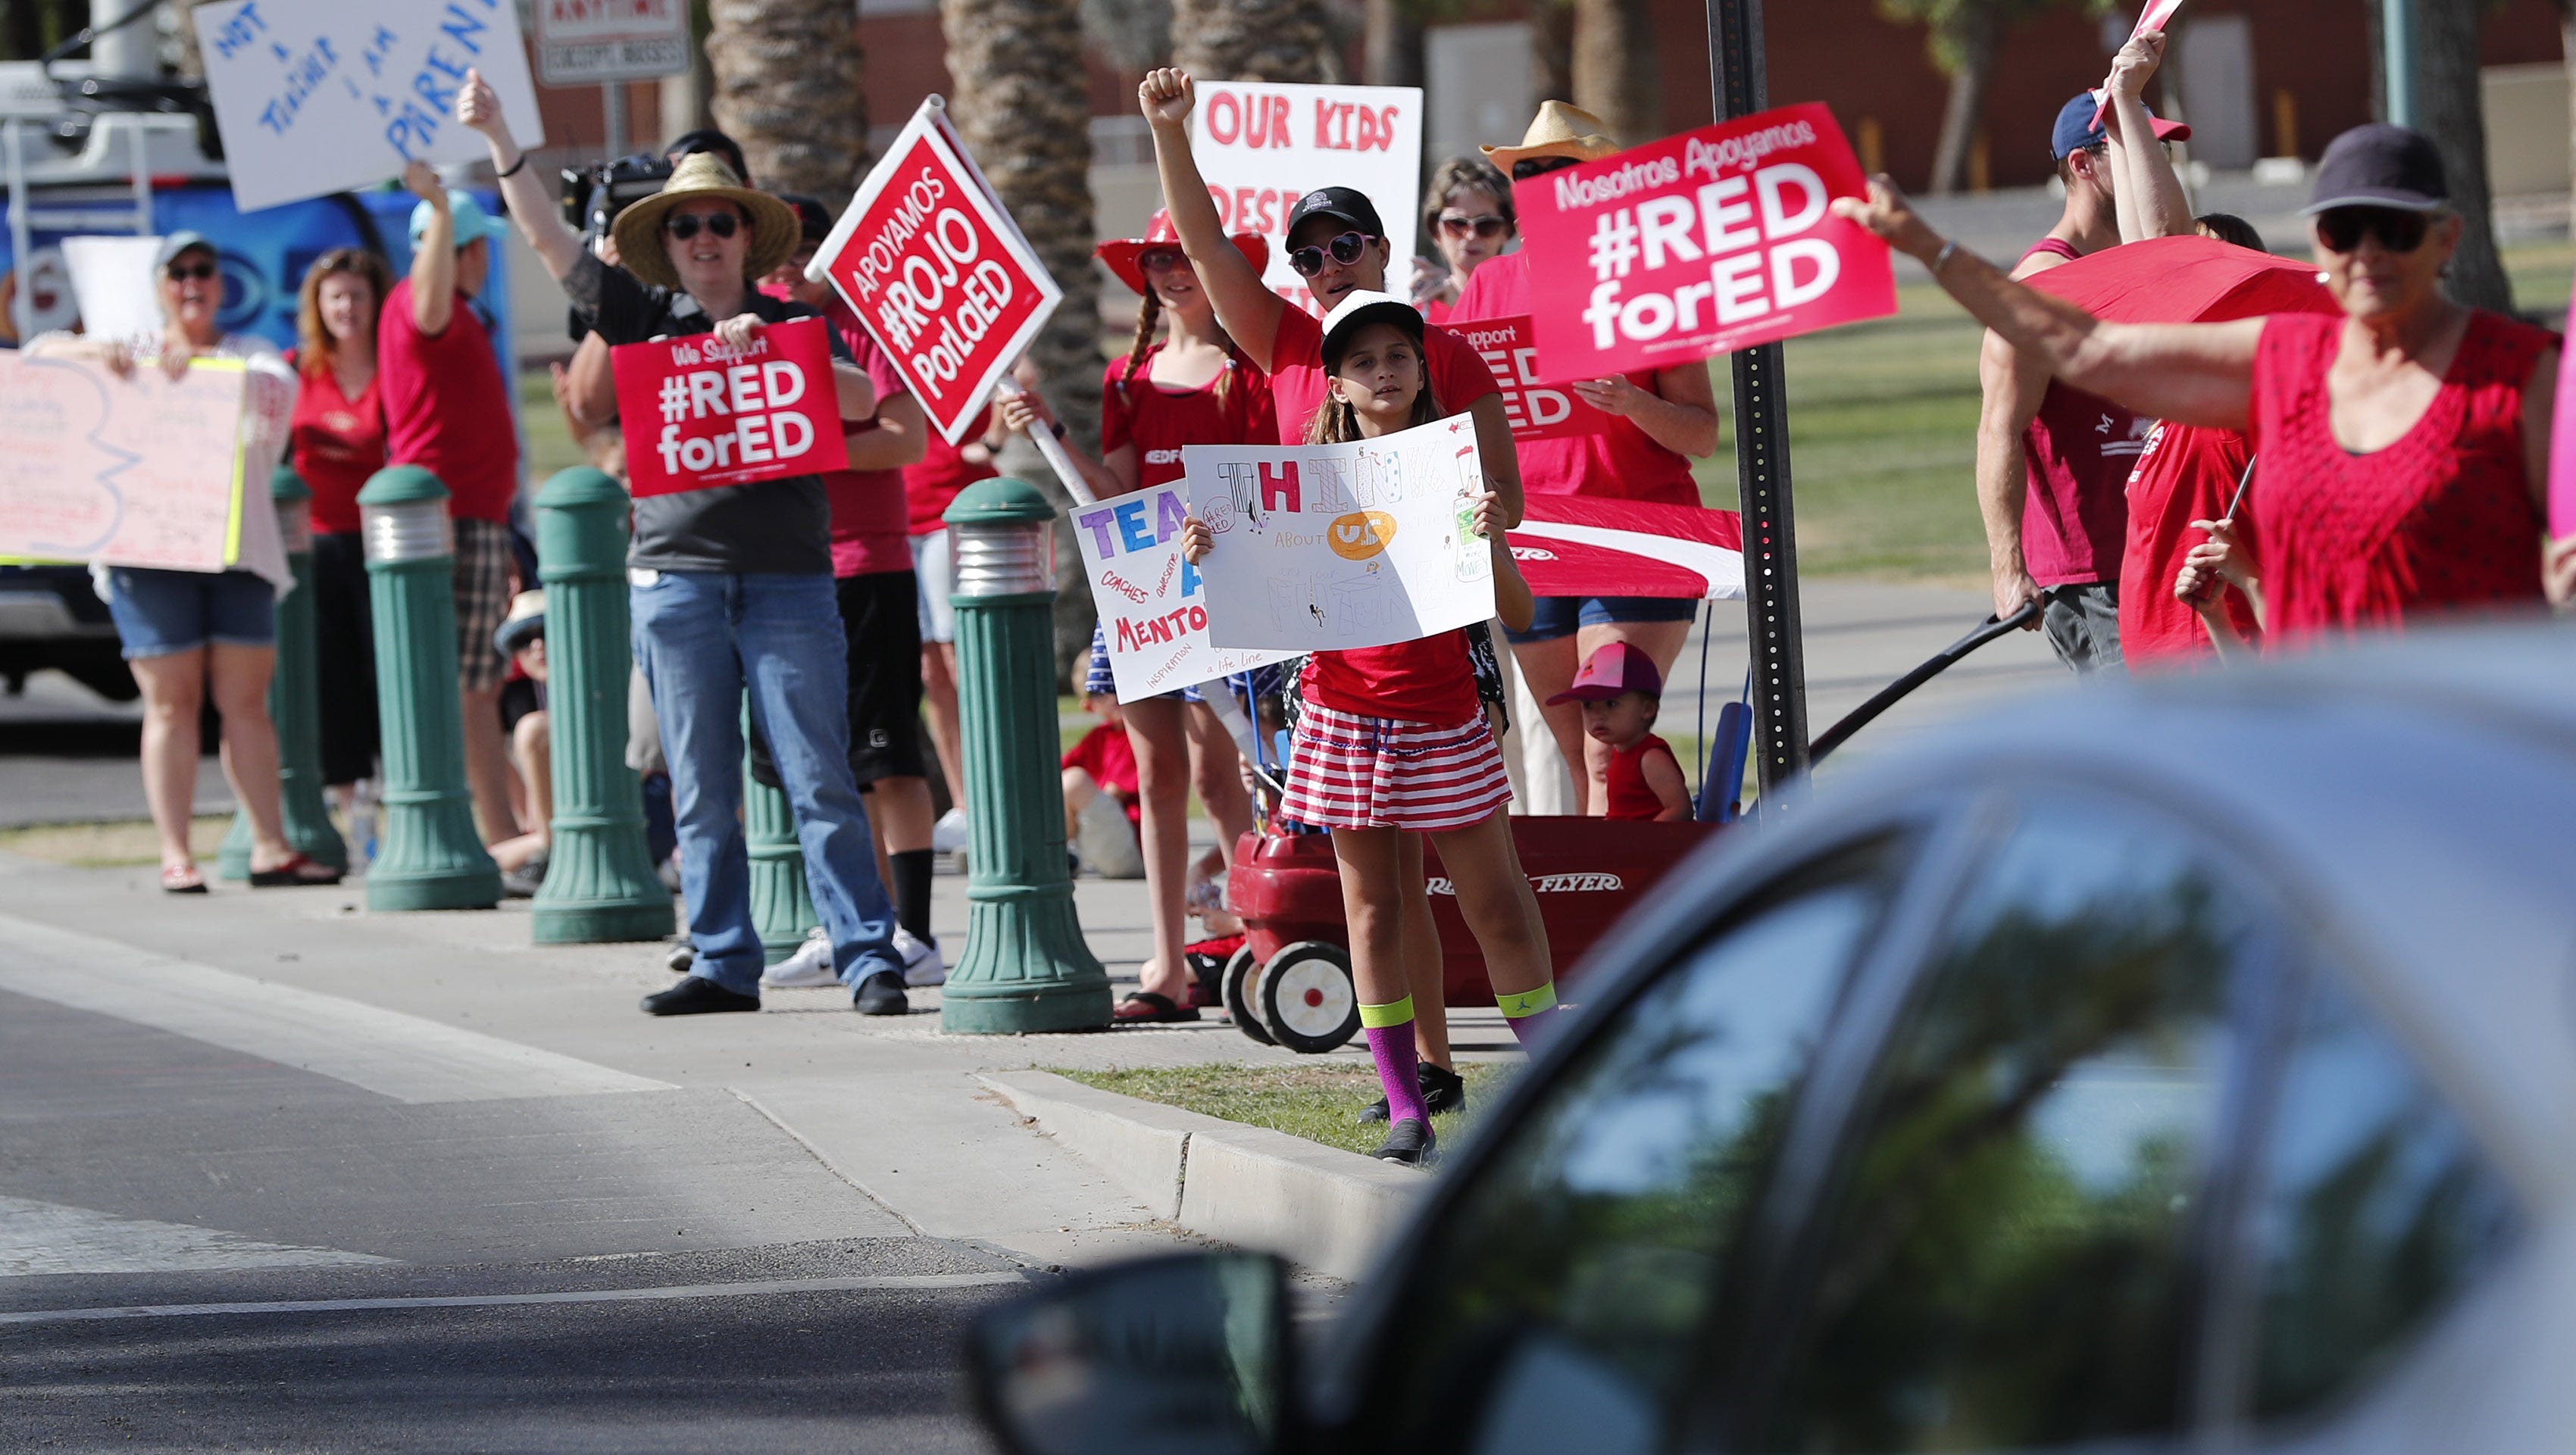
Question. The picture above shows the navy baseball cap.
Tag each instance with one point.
(2077, 129)
(2381, 166)
(1343, 204)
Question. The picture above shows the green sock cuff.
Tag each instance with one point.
(1379, 1017)
(1525, 1003)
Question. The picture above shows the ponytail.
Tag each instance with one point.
(1147, 315)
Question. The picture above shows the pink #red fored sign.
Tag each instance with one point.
(1537, 410)
(696, 414)
(1702, 243)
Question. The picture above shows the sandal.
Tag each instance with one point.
(296, 871)
(178, 880)
(1148, 1008)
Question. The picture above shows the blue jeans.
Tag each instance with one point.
(701, 637)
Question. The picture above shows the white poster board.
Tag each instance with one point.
(1329, 547)
(119, 297)
(581, 42)
(1153, 605)
(142, 471)
(1261, 146)
(320, 96)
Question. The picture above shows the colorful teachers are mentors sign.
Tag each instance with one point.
(1699, 244)
(696, 414)
(1153, 604)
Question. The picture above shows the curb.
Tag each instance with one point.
(1325, 1209)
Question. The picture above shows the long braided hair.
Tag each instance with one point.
(1150, 313)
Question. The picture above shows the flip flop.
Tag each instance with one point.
(175, 880)
(1146, 1008)
(295, 871)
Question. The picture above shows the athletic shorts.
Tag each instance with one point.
(1562, 616)
(164, 613)
(935, 568)
(482, 599)
(878, 618)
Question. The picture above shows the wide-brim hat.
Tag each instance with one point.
(775, 229)
(1125, 255)
(1559, 130)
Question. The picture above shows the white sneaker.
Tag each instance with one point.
(921, 963)
(948, 836)
(808, 969)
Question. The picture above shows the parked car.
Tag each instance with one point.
(2177, 1065)
(50, 616)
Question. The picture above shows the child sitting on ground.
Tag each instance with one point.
(1102, 802)
(1621, 692)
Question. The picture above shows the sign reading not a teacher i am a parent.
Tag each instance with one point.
(320, 96)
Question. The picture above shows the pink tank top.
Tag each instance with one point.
(2079, 452)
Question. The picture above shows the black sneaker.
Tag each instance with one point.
(881, 994)
(1443, 1091)
(697, 995)
(1411, 1143)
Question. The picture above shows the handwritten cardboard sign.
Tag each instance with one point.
(937, 272)
(1153, 606)
(1537, 410)
(1261, 146)
(696, 414)
(1699, 244)
(1328, 547)
(321, 96)
(133, 472)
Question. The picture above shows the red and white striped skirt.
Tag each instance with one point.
(1353, 772)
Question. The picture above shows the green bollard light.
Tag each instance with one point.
(294, 703)
(599, 883)
(1025, 968)
(782, 907)
(429, 856)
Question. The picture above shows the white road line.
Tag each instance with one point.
(405, 1057)
(47, 1237)
(506, 1300)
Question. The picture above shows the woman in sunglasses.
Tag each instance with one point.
(2404, 446)
(1467, 213)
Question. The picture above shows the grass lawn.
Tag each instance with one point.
(108, 845)
(1314, 1102)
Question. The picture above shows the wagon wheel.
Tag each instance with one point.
(1306, 997)
(1236, 981)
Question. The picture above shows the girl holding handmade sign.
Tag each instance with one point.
(1189, 387)
(1394, 745)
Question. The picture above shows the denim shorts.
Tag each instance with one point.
(159, 613)
(1561, 616)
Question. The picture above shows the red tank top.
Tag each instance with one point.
(1629, 795)
(2441, 520)
(2079, 452)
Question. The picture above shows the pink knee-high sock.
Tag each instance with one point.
(1531, 1014)
(1390, 1039)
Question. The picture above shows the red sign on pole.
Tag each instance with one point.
(937, 271)
(1536, 409)
(696, 414)
(1699, 244)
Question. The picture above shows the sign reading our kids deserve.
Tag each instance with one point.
(1325, 547)
(1699, 244)
(1153, 605)
(1261, 146)
(1537, 410)
(321, 96)
(133, 472)
(937, 271)
(696, 414)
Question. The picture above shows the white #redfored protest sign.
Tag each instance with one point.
(1262, 146)
(1699, 244)
(937, 271)
(1153, 604)
(1537, 410)
(696, 414)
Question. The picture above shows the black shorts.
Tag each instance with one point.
(881, 617)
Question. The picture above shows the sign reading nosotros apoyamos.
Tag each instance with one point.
(1153, 608)
(1713, 240)
(937, 272)
(696, 414)
(1536, 409)
(1263, 146)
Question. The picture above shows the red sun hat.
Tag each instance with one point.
(1124, 254)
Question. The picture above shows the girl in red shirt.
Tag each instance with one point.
(1190, 387)
(337, 444)
(1394, 745)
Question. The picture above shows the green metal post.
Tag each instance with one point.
(428, 855)
(782, 907)
(1025, 968)
(599, 881)
(294, 703)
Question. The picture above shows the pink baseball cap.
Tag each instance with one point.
(1614, 669)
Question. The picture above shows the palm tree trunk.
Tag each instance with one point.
(1552, 49)
(1393, 47)
(788, 87)
(2567, 50)
(1975, 43)
(2452, 113)
(1252, 40)
(1614, 65)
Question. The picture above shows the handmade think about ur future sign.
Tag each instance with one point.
(1153, 604)
(1329, 547)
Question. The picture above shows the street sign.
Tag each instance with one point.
(583, 42)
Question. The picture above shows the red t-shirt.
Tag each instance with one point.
(933, 485)
(2185, 473)
(1426, 681)
(1621, 462)
(447, 408)
(1298, 382)
(1435, 311)
(337, 444)
(2079, 452)
(1628, 794)
(1110, 759)
(871, 513)
(1158, 419)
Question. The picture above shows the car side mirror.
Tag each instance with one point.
(1185, 1353)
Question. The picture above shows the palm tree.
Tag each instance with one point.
(1615, 71)
(2452, 112)
(1964, 37)
(788, 87)
(1253, 40)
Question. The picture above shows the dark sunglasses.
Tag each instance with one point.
(1346, 250)
(1162, 260)
(2343, 228)
(685, 225)
(1529, 167)
(1486, 226)
(190, 272)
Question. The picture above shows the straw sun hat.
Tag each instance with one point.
(638, 230)
(1558, 130)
